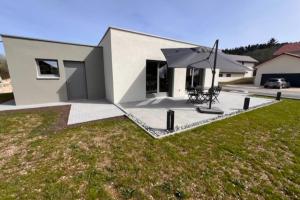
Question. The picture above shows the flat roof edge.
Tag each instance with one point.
(146, 34)
(44, 40)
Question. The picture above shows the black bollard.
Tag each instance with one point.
(246, 103)
(278, 96)
(170, 120)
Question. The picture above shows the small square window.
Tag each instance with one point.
(47, 68)
(228, 75)
(220, 75)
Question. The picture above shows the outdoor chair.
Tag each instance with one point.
(216, 92)
(192, 95)
(206, 95)
(202, 97)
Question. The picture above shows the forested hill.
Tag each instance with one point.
(260, 52)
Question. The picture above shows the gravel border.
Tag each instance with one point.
(160, 133)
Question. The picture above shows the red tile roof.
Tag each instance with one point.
(288, 48)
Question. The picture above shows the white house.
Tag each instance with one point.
(285, 65)
(234, 73)
(125, 66)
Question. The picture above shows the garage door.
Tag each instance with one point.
(294, 79)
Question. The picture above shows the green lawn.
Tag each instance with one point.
(255, 155)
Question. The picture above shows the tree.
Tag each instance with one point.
(272, 42)
(3, 67)
(261, 52)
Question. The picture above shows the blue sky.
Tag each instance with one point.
(234, 22)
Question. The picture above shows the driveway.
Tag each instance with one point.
(293, 93)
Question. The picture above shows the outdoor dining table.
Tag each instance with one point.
(200, 95)
(203, 95)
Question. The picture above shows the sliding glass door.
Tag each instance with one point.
(163, 77)
(157, 78)
(194, 77)
(151, 77)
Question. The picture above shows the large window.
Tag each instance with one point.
(151, 77)
(194, 78)
(47, 68)
(157, 77)
(163, 77)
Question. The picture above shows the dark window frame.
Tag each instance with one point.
(228, 75)
(158, 65)
(198, 77)
(47, 76)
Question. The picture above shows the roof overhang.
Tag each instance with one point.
(287, 54)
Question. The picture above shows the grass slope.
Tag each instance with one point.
(263, 54)
(253, 155)
(247, 80)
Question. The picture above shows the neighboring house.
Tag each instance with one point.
(234, 73)
(293, 48)
(284, 64)
(125, 66)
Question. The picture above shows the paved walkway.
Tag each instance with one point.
(81, 111)
(84, 111)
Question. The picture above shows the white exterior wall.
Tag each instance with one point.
(129, 52)
(250, 72)
(29, 88)
(179, 82)
(208, 78)
(232, 78)
(280, 64)
(236, 76)
(108, 73)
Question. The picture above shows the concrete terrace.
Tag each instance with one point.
(151, 114)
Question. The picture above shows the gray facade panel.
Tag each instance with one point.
(29, 88)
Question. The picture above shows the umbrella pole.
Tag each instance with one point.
(213, 74)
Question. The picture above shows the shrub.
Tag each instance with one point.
(3, 67)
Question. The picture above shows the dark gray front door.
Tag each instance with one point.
(75, 80)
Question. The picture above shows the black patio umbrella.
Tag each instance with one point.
(202, 57)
